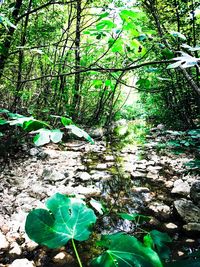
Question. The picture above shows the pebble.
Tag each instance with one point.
(3, 242)
(15, 249)
(22, 263)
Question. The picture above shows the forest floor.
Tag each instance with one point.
(147, 179)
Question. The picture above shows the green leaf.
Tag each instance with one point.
(56, 135)
(178, 34)
(147, 240)
(67, 218)
(66, 121)
(2, 122)
(106, 25)
(97, 205)
(33, 125)
(159, 240)
(135, 217)
(80, 133)
(125, 251)
(42, 138)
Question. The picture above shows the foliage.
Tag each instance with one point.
(66, 218)
(124, 250)
(43, 130)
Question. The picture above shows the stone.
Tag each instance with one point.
(51, 174)
(109, 158)
(101, 166)
(60, 258)
(137, 174)
(15, 249)
(3, 242)
(34, 152)
(160, 210)
(22, 263)
(192, 227)
(154, 169)
(152, 176)
(171, 226)
(84, 176)
(181, 188)
(195, 192)
(188, 211)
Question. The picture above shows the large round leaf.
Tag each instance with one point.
(67, 218)
(125, 251)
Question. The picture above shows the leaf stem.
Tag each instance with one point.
(76, 252)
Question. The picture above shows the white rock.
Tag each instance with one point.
(60, 258)
(160, 209)
(15, 249)
(53, 175)
(22, 263)
(3, 242)
(181, 188)
(101, 166)
(171, 226)
(84, 176)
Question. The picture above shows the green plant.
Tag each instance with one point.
(43, 131)
(66, 219)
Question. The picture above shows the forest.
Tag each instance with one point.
(99, 133)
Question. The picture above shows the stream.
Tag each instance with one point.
(126, 179)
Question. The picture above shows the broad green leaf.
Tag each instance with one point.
(97, 205)
(178, 34)
(20, 120)
(185, 61)
(66, 121)
(67, 218)
(42, 138)
(56, 135)
(160, 239)
(106, 25)
(33, 125)
(2, 122)
(125, 251)
(4, 111)
(80, 133)
(129, 14)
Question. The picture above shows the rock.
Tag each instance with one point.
(30, 245)
(109, 158)
(152, 176)
(188, 211)
(181, 188)
(15, 249)
(192, 227)
(51, 174)
(84, 176)
(160, 210)
(61, 258)
(171, 226)
(22, 263)
(140, 189)
(160, 127)
(101, 166)
(195, 192)
(34, 152)
(154, 169)
(3, 242)
(96, 133)
(137, 174)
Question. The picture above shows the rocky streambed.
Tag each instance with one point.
(129, 179)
